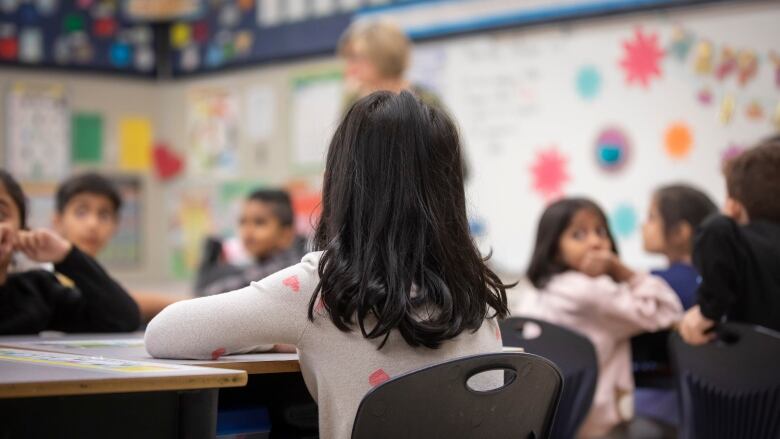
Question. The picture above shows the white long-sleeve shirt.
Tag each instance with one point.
(339, 368)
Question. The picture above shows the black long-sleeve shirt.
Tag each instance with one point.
(35, 301)
(740, 269)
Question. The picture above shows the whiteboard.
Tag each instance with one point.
(554, 110)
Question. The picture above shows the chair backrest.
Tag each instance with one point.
(574, 355)
(730, 387)
(437, 402)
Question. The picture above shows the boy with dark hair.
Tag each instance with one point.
(87, 214)
(738, 255)
(87, 211)
(267, 231)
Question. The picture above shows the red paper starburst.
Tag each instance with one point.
(549, 173)
(641, 58)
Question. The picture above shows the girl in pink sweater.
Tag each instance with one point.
(582, 284)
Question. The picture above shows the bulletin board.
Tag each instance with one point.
(609, 108)
(80, 35)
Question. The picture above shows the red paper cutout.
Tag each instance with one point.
(307, 205)
(167, 162)
(641, 58)
(9, 48)
(104, 27)
(728, 64)
(549, 173)
(200, 31)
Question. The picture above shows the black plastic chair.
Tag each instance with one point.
(575, 357)
(729, 388)
(436, 402)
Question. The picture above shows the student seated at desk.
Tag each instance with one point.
(88, 207)
(738, 254)
(267, 233)
(582, 284)
(675, 213)
(396, 283)
(34, 301)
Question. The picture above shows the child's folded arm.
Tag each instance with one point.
(105, 305)
(644, 304)
(272, 311)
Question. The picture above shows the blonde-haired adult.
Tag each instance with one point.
(376, 54)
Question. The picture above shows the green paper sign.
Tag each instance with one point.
(86, 138)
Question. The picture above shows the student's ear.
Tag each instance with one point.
(736, 211)
(682, 234)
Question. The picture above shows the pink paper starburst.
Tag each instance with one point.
(641, 58)
(549, 173)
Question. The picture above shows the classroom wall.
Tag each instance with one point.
(265, 162)
(546, 116)
(114, 98)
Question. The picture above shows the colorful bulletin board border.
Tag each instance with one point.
(100, 35)
(93, 35)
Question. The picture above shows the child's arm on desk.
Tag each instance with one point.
(272, 311)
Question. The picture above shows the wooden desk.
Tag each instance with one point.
(130, 347)
(45, 394)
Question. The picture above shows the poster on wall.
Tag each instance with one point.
(38, 131)
(316, 105)
(213, 130)
(190, 215)
(125, 249)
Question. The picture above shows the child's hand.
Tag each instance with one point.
(694, 327)
(42, 245)
(597, 262)
(7, 241)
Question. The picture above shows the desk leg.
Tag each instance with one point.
(198, 414)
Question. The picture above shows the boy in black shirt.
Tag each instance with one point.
(738, 255)
(35, 300)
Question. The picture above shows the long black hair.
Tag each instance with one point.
(546, 260)
(679, 203)
(394, 216)
(17, 196)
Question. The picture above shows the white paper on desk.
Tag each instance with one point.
(259, 113)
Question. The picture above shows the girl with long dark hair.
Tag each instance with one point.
(396, 284)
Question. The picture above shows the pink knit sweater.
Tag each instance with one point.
(609, 314)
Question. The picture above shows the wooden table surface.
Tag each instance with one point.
(130, 347)
(28, 373)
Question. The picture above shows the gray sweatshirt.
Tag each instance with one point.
(339, 368)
